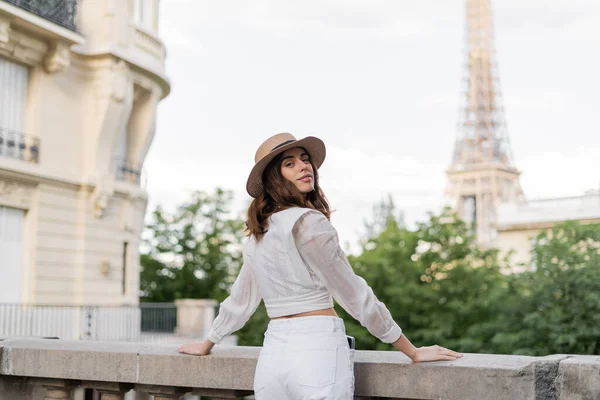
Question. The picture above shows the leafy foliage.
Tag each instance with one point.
(444, 289)
(437, 283)
(194, 253)
(559, 301)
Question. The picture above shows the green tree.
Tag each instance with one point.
(383, 264)
(558, 308)
(435, 281)
(443, 288)
(194, 253)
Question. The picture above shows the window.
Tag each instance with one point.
(11, 254)
(138, 12)
(120, 155)
(124, 278)
(127, 167)
(13, 95)
(143, 13)
(14, 143)
(470, 209)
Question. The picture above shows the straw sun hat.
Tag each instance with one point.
(275, 145)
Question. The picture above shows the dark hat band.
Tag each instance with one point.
(283, 144)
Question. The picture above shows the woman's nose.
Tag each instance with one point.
(303, 166)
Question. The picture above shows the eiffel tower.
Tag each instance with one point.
(482, 174)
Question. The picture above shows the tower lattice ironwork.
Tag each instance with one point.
(482, 173)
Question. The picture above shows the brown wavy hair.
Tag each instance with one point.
(280, 194)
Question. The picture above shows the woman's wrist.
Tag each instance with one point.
(404, 345)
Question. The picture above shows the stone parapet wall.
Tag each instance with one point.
(26, 365)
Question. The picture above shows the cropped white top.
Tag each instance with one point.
(297, 267)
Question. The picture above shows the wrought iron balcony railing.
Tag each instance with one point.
(61, 12)
(19, 146)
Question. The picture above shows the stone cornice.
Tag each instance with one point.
(15, 194)
(156, 74)
(19, 46)
(31, 177)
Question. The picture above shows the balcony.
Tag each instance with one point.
(148, 43)
(61, 12)
(19, 146)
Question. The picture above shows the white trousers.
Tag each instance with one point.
(305, 358)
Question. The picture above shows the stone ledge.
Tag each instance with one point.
(378, 374)
(579, 378)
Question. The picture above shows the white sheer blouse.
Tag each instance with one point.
(297, 267)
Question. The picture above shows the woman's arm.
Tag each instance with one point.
(234, 311)
(317, 242)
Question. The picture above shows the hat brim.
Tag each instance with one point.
(314, 146)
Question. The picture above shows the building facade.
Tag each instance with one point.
(80, 82)
(519, 223)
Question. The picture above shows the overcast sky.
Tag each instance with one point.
(379, 81)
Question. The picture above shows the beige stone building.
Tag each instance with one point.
(518, 223)
(80, 82)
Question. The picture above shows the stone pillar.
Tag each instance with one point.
(161, 392)
(142, 395)
(55, 389)
(57, 393)
(109, 390)
(111, 395)
(195, 316)
(78, 393)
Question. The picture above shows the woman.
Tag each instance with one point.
(293, 262)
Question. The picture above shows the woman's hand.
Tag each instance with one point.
(197, 349)
(435, 353)
(421, 354)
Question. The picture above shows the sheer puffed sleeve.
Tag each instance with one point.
(317, 242)
(242, 302)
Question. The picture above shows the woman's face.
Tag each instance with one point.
(296, 168)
